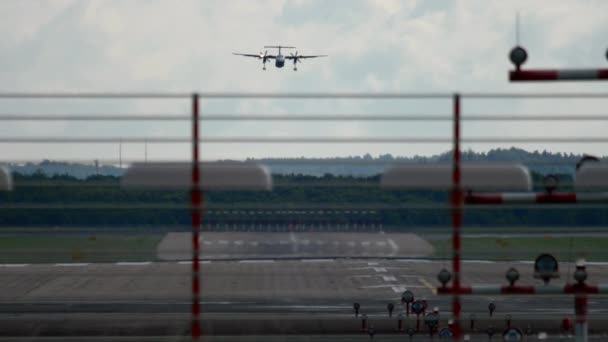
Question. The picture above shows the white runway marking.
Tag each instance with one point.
(365, 243)
(380, 269)
(208, 242)
(253, 243)
(415, 260)
(351, 243)
(283, 242)
(318, 260)
(189, 262)
(399, 289)
(319, 242)
(131, 263)
(393, 285)
(13, 265)
(478, 261)
(223, 242)
(381, 243)
(372, 264)
(389, 278)
(256, 261)
(238, 243)
(336, 243)
(305, 242)
(393, 245)
(72, 264)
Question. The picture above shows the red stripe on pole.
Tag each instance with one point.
(456, 200)
(569, 197)
(558, 75)
(533, 75)
(195, 203)
(483, 199)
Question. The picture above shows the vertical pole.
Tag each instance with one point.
(580, 308)
(456, 200)
(195, 213)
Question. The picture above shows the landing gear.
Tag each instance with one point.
(295, 69)
(264, 68)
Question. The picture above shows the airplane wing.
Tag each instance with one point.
(253, 55)
(304, 57)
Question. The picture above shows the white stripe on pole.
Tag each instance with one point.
(577, 74)
(485, 289)
(549, 289)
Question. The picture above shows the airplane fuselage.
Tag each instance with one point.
(279, 62)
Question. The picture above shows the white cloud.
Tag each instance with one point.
(378, 45)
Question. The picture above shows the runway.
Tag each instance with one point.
(215, 245)
(256, 297)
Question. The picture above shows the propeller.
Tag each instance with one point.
(296, 59)
(263, 55)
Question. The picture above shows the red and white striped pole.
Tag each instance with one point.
(195, 213)
(542, 197)
(456, 204)
(601, 289)
(519, 55)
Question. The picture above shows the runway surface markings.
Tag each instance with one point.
(189, 262)
(381, 243)
(393, 245)
(76, 264)
(428, 285)
(255, 261)
(389, 278)
(238, 242)
(392, 285)
(414, 260)
(365, 243)
(372, 264)
(14, 265)
(399, 289)
(318, 260)
(223, 242)
(133, 263)
(208, 242)
(478, 261)
(253, 243)
(379, 269)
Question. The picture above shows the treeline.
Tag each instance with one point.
(297, 202)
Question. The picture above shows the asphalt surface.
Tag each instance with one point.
(214, 245)
(256, 297)
(264, 288)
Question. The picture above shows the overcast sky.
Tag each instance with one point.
(373, 46)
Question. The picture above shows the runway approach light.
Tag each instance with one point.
(212, 175)
(546, 267)
(6, 179)
(512, 276)
(474, 176)
(592, 176)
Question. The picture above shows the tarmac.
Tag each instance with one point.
(269, 293)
